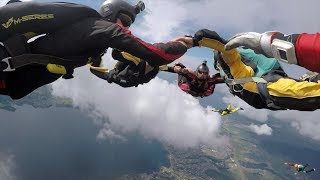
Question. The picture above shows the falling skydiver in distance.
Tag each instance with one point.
(300, 167)
(228, 110)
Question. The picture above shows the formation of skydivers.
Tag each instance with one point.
(253, 74)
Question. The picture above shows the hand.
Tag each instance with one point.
(260, 43)
(205, 33)
(185, 70)
(148, 68)
(177, 69)
(187, 41)
(248, 39)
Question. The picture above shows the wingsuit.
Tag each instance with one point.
(75, 36)
(228, 110)
(258, 80)
(189, 81)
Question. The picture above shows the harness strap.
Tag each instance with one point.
(19, 56)
(245, 80)
(261, 82)
(12, 63)
(271, 76)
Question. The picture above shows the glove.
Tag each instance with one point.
(205, 33)
(186, 40)
(180, 64)
(260, 43)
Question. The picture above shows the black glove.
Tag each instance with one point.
(205, 33)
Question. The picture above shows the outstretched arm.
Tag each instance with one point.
(301, 49)
(216, 79)
(155, 54)
(284, 92)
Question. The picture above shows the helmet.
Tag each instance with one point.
(111, 9)
(203, 67)
(202, 71)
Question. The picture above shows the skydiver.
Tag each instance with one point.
(258, 80)
(300, 49)
(228, 110)
(300, 168)
(80, 40)
(198, 83)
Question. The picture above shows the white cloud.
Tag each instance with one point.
(307, 123)
(7, 166)
(163, 20)
(167, 19)
(261, 130)
(2, 2)
(107, 133)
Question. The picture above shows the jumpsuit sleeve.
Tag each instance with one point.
(307, 48)
(155, 54)
(216, 79)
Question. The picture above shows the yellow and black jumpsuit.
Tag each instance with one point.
(278, 92)
(85, 36)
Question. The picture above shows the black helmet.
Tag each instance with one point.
(203, 67)
(110, 9)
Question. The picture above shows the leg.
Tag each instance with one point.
(306, 165)
(311, 170)
(108, 76)
(28, 78)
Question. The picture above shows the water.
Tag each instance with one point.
(60, 143)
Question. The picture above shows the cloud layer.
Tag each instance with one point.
(7, 167)
(157, 110)
(165, 19)
(264, 129)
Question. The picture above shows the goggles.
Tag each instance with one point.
(204, 73)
